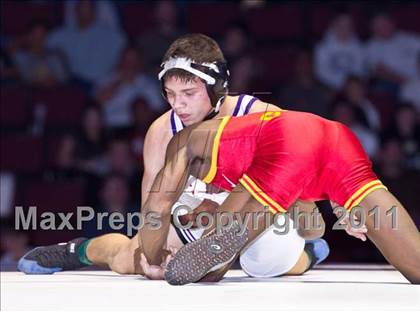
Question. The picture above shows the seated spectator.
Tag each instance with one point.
(116, 92)
(38, 65)
(345, 113)
(410, 91)
(236, 42)
(399, 179)
(7, 193)
(64, 162)
(105, 12)
(92, 142)
(8, 72)
(406, 129)
(143, 118)
(14, 244)
(339, 54)
(391, 54)
(304, 92)
(154, 43)
(114, 197)
(120, 159)
(354, 92)
(244, 78)
(92, 48)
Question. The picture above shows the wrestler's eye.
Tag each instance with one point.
(189, 93)
(169, 95)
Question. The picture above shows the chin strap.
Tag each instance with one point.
(215, 110)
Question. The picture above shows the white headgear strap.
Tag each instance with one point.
(185, 64)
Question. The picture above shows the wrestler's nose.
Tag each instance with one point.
(178, 104)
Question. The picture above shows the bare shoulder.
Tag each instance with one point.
(231, 99)
(228, 105)
(160, 128)
(158, 135)
(260, 106)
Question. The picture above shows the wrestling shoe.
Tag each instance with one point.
(317, 251)
(196, 259)
(52, 258)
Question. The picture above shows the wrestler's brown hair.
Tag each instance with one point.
(197, 47)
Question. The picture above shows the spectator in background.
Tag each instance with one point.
(410, 91)
(405, 128)
(391, 54)
(156, 41)
(92, 142)
(345, 113)
(398, 178)
(116, 92)
(304, 92)
(340, 53)
(244, 73)
(64, 162)
(14, 244)
(143, 118)
(38, 65)
(120, 159)
(114, 198)
(236, 42)
(8, 72)
(91, 47)
(354, 92)
(7, 193)
(105, 12)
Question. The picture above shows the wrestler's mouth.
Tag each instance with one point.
(184, 117)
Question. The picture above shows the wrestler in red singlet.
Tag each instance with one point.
(282, 156)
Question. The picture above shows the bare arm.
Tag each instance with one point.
(167, 187)
(155, 144)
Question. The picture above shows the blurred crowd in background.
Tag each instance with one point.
(79, 89)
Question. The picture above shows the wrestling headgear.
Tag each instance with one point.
(215, 76)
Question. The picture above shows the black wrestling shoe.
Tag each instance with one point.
(196, 259)
(52, 258)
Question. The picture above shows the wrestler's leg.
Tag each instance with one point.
(399, 245)
(301, 266)
(316, 250)
(122, 254)
(240, 201)
(201, 259)
(110, 250)
(275, 252)
(113, 250)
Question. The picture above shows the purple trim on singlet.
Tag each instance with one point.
(173, 123)
(238, 105)
(190, 235)
(248, 107)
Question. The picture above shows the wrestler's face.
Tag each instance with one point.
(189, 99)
